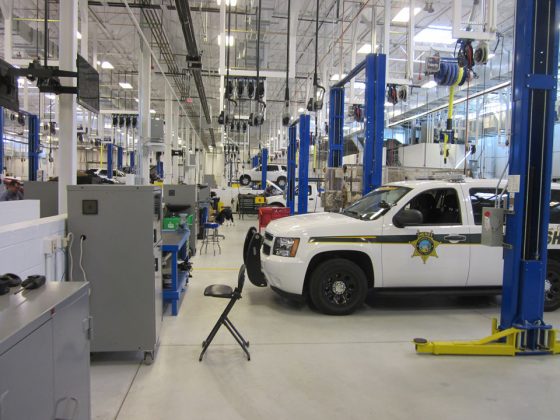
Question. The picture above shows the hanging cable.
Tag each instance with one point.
(286, 114)
(316, 102)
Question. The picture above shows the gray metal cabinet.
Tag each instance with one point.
(44, 353)
(117, 241)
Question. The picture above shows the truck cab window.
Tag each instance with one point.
(438, 206)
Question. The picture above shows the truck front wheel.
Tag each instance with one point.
(337, 287)
(552, 286)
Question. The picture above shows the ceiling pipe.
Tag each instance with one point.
(187, 25)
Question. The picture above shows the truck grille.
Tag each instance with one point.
(268, 236)
(266, 249)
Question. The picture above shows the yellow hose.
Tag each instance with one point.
(450, 112)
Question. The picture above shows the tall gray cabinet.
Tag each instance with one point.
(117, 242)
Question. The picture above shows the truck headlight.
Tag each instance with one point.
(285, 247)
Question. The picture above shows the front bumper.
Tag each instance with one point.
(283, 274)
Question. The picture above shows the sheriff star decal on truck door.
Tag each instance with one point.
(424, 246)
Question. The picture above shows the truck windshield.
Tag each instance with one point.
(376, 203)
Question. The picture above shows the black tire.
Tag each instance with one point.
(245, 180)
(552, 284)
(337, 287)
(281, 181)
(276, 205)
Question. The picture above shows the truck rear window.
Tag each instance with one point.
(486, 197)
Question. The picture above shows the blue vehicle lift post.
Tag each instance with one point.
(34, 147)
(375, 70)
(336, 127)
(131, 156)
(522, 330)
(303, 167)
(110, 160)
(291, 182)
(119, 158)
(264, 167)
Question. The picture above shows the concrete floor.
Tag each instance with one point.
(305, 365)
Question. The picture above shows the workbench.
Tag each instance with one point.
(175, 243)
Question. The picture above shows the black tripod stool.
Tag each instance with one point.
(226, 292)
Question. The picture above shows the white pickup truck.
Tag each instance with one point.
(314, 204)
(421, 236)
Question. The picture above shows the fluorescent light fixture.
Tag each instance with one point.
(125, 85)
(429, 85)
(491, 56)
(230, 40)
(435, 35)
(157, 118)
(301, 110)
(366, 49)
(152, 111)
(137, 100)
(78, 35)
(106, 65)
(50, 96)
(404, 14)
(387, 104)
(336, 76)
(98, 63)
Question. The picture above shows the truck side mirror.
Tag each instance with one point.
(408, 217)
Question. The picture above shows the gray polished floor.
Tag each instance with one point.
(309, 366)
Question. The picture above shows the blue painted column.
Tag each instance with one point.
(255, 161)
(291, 184)
(131, 156)
(375, 122)
(303, 182)
(264, 167)
(336, 127)
(535, 73)
(34, 146)
(119, 158)
(1, 140)
(110, 160)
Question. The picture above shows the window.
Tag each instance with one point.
(555, 206)
(438, 207)
(376, 203)
(482, 197)
(272, 168)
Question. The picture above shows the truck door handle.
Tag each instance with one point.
(311, 199)
(454, 239)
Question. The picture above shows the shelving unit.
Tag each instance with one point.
(174, 244)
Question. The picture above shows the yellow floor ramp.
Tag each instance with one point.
(509, 342)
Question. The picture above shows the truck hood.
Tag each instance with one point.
(322, 224)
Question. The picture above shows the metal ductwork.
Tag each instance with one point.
(187, 25)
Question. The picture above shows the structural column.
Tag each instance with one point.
(7, 7)
(175, 143)
(142, 157)
(67, 152)
(168, 138)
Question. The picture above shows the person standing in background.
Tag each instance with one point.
(13, 191)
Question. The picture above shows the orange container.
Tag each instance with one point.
(268, 214)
